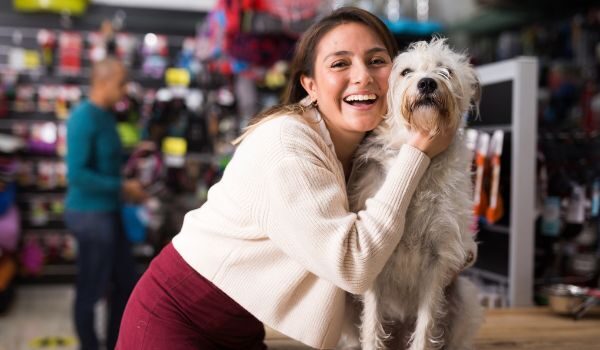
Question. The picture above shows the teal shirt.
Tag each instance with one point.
(93, 160)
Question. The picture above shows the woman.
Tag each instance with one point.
(275, 242)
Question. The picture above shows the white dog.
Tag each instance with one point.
(417, 300)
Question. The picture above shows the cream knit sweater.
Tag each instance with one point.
(277, 236)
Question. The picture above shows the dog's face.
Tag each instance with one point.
(431, 87)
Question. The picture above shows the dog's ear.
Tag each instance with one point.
(476, 98)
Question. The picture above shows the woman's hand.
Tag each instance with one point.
(431, 145)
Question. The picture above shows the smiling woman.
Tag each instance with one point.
(275, 242)
(349, 84)
(337, 71)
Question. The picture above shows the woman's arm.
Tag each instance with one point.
(308, 218)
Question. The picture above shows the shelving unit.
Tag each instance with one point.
(506, 249)
(59, 269)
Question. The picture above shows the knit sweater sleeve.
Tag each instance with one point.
(309, 219)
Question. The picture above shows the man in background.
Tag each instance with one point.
(105, 263)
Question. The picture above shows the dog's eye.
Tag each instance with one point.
(406, 71)
(445, 72)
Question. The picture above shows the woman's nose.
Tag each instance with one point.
(361, 74)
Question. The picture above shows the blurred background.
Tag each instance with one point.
(200, 69)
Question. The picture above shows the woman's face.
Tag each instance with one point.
(350, 81)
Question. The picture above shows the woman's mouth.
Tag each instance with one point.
(361, 100)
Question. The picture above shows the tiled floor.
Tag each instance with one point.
(39, 317)
(41, 314)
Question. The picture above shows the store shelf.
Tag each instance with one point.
(480, 273)
(508, 103)
(495, 228)
(491, 128)
(20, 31)
(60, 269)
(28, 196)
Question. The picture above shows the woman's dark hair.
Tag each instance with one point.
(303, 61)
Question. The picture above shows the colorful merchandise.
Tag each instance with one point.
(8, 270)
(97, 47)
(16, 59)
(47, 95)
(60, 171)
(495, 210)
(69, 251)
(10, 228)
(471, 142)
(46, 179)
(3, 102)
(134, 222)
(126, 46)
(61, 141)
(43, 138)
(145, 164)
(24, 99)
(69, 52)
(481, 196)
(25, 173)
(551, 222)
(8, 193)
(186, 59)
(66, 97)
(155, 52)
(174, 150)
(38, 214)
(210, 36)
(47, 41)
(32, 256)
(260, 50)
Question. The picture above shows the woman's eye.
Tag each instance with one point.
(378, 61)
(406, 71)
(338, 64)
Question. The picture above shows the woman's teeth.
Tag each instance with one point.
(368, 99)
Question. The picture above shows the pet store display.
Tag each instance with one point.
(191, 121)
(70, 50)
(569, 225)
(10, 220)
(46, 40)
(506, 231)
(568, 119)
(481, 197)
(485, 152)
(147, 166)
(495, 209)
(155, 53)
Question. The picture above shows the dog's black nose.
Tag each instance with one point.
(426, 86)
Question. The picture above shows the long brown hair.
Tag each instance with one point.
(303, 61)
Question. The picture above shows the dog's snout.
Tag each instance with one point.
(426, 85)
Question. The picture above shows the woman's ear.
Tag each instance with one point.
(310, 86)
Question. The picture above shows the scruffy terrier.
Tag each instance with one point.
(417, 301)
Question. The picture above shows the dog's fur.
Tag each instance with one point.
(416, 300)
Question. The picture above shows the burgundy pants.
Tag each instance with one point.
(174, 308)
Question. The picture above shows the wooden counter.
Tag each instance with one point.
(538, 328)
(504, 329)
